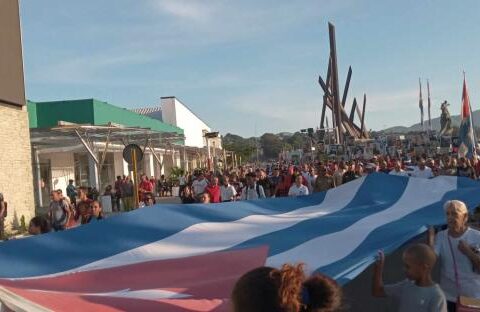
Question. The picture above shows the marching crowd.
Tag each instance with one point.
(456, 248)
(284, 179)
(82, 205)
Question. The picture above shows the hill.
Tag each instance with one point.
(435, 124)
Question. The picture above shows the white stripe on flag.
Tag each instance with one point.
(202, 238)
(326, 249)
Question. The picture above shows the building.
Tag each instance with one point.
(15, 153)
(176, 113)
(198, 144)
(83, 140)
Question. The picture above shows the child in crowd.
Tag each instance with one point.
(418, 292)
(39, 225)
(97, 212)
(267, 289)
(204, 198)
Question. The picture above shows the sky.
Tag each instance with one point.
(249, 67)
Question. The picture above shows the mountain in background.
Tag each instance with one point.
(435, 124)
(269, 145)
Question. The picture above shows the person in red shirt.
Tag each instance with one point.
(213, 189)
(146, 187)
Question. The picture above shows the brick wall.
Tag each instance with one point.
(16, 181)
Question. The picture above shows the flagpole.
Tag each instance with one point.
(429, 107)
(420, 104)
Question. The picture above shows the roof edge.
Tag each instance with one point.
(188, 108)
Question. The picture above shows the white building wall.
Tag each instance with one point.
(149, 165)
(93, 173)
(62, 169)
(121, 166)
(177, 114)
(168, 110)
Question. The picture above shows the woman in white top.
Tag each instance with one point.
(298, 189)
(457, 248)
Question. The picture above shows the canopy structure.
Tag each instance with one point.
(100, 139)
(68, 134)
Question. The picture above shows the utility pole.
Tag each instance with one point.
(256, 143)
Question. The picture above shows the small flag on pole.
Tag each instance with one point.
(467, 137)
(429, 107)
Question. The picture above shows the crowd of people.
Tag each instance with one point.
(80, 207)
(457, 248)
(282, 179)
(83, 205)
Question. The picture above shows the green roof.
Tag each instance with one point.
(90, 111)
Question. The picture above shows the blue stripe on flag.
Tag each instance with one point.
(392, 235)
(58, 252)
(371, 198)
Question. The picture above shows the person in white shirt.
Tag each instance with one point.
(227, 191)
(182, 182)
(398, 171)
(252, 190)
(422, 171)
(199, 185)
(298, 189)
(307, 176)
(458, 248)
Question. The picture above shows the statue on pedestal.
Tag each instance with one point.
(445, 120)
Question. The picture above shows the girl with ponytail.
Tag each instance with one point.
(267, 289)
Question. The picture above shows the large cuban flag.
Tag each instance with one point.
(188, 257)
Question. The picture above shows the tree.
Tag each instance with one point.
(297, 140)
(271, 144)
(242, 147)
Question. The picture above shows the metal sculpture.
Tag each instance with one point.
(343, 123)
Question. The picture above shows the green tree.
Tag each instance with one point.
(297, 140)
(271, 144)
(242, 147)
